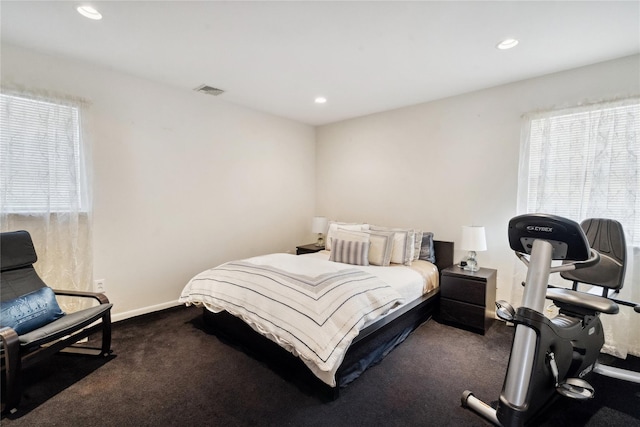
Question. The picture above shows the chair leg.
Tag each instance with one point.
(106, 334)
(12, 367)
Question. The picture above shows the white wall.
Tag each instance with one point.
(452, 162)
(182, 181)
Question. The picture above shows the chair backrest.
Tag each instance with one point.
(17, 275)
(607, 237)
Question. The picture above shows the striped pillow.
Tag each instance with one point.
(349, 252)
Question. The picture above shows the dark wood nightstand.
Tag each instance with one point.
(467, 298)
(308, 249)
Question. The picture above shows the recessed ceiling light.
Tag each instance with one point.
(89, 12)
(320, 100)
(507, 44)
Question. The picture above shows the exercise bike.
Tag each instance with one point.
(550, 357)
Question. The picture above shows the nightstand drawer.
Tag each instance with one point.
(461, 313)
(461, 289)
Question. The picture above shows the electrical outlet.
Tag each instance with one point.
(99, 285)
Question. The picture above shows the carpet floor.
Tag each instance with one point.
(167, 370)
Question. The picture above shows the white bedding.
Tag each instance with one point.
(269, 293)
(410, 281)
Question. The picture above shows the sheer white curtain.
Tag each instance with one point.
(584, 162)
(44, 185)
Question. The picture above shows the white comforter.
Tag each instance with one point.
(312, 307)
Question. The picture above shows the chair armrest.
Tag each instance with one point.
(101, 298)
(10, 345)
(8, 336)
(11, 367)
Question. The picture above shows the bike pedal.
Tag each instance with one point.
(576, 388)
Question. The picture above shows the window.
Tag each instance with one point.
(584, 163)
(43, 185)
(41, 167)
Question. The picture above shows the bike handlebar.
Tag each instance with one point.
(593, 259)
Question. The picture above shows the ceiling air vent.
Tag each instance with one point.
(209, 90)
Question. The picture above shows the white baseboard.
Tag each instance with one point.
(144, 310)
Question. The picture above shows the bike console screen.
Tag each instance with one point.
(566, 236)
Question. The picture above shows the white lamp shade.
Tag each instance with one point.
(319, 224)
(473, 238)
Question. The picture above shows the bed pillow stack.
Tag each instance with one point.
(385, 245)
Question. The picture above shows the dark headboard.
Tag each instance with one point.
(444, 254)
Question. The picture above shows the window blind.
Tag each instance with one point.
(40, 156)
(586, 164)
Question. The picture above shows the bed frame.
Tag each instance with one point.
(367, 349)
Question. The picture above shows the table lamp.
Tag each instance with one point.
(319, 225)
(473, 240)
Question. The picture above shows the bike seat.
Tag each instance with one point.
(580, 299)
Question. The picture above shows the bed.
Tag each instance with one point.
(325, 317)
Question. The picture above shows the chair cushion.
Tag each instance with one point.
(66, 325)
(30, 311)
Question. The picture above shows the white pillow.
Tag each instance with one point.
(347, 234)
(381, 244)
(417, 244)
(381, 247)
(333, 227)
(403, 244)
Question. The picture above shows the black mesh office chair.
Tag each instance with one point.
(32, 326)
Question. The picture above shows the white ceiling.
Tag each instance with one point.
(364, 57)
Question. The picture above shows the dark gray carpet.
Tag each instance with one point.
(166, 370)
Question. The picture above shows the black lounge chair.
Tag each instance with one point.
(26, 300)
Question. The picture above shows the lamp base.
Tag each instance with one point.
(320, 241)
(472, 264)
